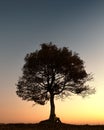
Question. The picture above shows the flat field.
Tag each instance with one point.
(50, 127)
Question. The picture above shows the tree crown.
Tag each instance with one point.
(52, 70)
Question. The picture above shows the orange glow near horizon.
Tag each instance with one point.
(75, 110)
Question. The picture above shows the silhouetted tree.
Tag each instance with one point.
(51, 72)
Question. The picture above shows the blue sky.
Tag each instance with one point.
(25, 24)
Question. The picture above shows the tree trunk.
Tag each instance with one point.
(52, 108)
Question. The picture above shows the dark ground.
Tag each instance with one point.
(59, 126)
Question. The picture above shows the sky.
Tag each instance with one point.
(76, 24)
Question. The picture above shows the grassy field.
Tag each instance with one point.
(49, 127)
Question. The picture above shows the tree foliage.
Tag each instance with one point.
(52, 71)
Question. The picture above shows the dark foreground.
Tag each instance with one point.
(60, 126)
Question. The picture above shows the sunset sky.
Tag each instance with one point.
(76, 24)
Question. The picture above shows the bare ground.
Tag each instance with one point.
(60, 126)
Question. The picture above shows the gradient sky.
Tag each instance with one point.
(76, 24)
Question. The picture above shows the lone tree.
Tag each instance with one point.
(51, 72)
